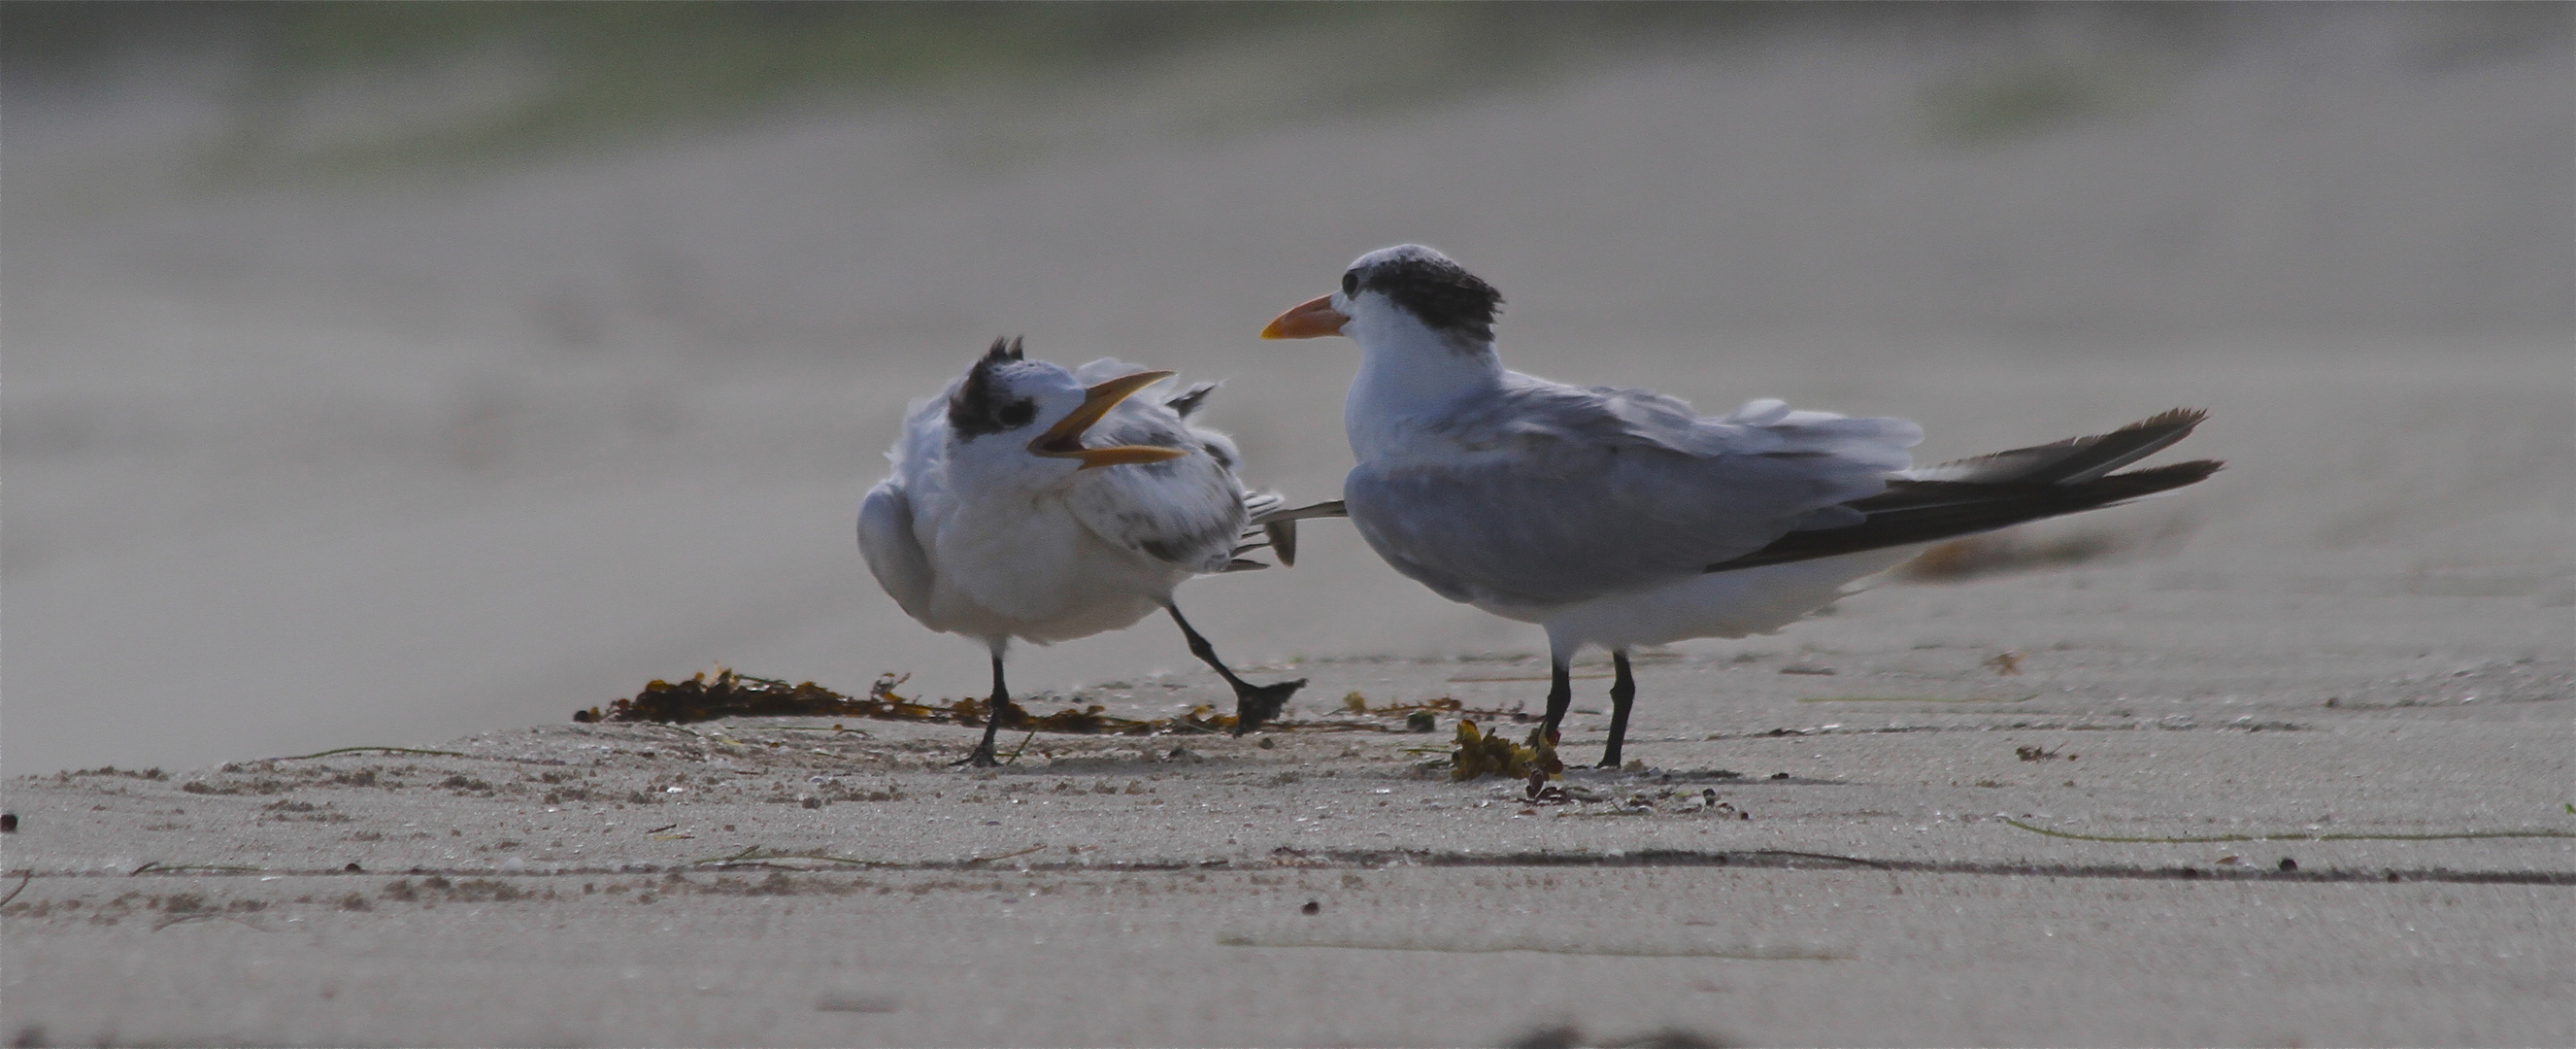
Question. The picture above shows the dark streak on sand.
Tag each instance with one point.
(1754, 859)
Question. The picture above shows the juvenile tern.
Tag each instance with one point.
(1037, 503)
(1619, 518)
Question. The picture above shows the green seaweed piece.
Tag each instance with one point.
(1489, 754)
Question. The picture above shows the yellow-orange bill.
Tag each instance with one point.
(1309, 320)
(1064, 439)
(1124, 454)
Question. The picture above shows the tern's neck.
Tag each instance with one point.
(1411, 376)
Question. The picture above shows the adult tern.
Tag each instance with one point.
(1619, 518)
(1037, 503)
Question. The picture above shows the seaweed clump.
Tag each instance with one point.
(1489, 754)
(728, 694)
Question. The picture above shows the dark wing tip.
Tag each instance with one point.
(2137, 484)
(2075, 460)
(1190, 400)
(2185, 418)
(2183, 473)
(1912, 512)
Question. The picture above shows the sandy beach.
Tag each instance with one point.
(2348, 842)
(334, 491)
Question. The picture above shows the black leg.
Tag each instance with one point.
(1253, 704)
(983, 756)
(1623, 691)
(1560, 695)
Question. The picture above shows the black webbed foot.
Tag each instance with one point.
(1256, 705)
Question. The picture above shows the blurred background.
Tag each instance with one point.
(381, 373)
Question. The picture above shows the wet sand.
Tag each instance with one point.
(1832, 842)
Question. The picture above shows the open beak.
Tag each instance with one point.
(1064, 439)
(1310, 320)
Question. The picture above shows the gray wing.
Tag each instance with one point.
(1549, 494)
(1152, 417)
(1187, 511)
(894, 556)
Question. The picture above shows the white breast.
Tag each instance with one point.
(1716, 604)
(1032, 571)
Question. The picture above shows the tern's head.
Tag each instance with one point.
(1398, 295)
(1007, 402)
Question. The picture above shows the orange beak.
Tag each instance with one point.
(1064, 439)
(1309, 320)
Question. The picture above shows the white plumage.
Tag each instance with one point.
(1032, 502)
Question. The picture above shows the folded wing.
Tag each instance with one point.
(1999, 490)
(1188, 511)
(893, 553)
(1553, 494)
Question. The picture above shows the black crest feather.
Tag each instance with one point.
(980, 406)
(1441, 292)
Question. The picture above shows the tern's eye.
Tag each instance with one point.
(1018, 413)
(1350, 283)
